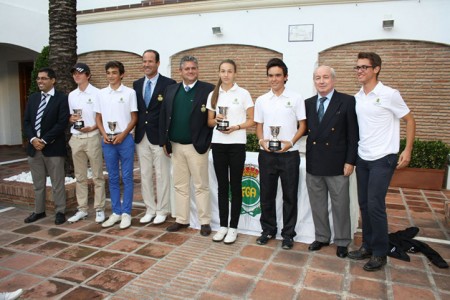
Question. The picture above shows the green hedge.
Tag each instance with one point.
(427, 154)
(252, 143)
(40, 62)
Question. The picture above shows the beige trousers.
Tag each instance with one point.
(153, 156)
(189, 165)
(86, 150)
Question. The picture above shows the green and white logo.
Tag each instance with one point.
(250, 191)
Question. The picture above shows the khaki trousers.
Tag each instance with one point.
(153, 156)
(189, 165)
(86, 150)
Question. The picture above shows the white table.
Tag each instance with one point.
(250, 224)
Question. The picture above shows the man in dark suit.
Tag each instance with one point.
(149, 91)
(186, 137)
(331, 149)
(46, 118)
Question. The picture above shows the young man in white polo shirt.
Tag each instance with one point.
(116, 117)
(379, 109)
(279, 107)
(85, 144)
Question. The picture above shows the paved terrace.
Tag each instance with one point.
(84, 261)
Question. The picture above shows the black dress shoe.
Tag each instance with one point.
(316, 245)
(287, 243)
(176, 226)
(360, 254)
(375, 263)
(60, 218)
(264, 239)
(341, 251)
(34, 217)
(205, 230)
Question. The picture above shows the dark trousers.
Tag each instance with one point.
(273, 166)
(373, 181)
(229, 162)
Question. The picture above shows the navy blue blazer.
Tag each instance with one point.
(334, 141)
(201, 132)
(148, 117)
(54, 122)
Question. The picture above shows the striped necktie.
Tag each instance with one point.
(40, 112)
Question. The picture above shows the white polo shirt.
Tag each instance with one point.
(238, 100)
(284, 110)
(379, 114)
(116, 106)
(84, 100)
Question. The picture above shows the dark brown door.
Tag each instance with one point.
(25, 69)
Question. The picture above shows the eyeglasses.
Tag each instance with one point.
(42, 78)
(363, 67)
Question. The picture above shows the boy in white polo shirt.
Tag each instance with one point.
(86, 145)
(379, 109)
(279, 107)
(116, 117)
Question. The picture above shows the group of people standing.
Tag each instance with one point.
(177, 123)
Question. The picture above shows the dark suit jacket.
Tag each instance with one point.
(148, 117)
(334, 141)
(201, 132)
(53, 124)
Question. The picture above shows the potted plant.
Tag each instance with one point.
(427, 167)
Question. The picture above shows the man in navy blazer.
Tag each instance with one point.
(45, 120)
(149, 91)
(186, 137)
(331, 149)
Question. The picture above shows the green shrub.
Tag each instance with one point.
(40, 62)
(427, 154)
(252, 143)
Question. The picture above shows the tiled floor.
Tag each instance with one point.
(84, 261)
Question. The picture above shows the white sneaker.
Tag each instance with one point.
(159, 219)
(218, 237)
(146, 219)
(231, 236)
(126, 221)
(78, 216)
(113, 219)
(99, 216)
(12, 295)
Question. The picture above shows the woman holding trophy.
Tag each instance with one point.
(230, 110)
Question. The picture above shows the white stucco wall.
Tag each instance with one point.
(333, 25)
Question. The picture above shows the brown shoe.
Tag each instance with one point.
(205, 230)
(176, 226)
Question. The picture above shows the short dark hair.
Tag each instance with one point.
(375, 59)
(50, 72)
(276, 62)
(115, 64)
(188, 58)
(154, 52)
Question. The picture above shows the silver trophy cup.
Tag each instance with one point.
(112, 126)
(78, 123)
(223, 124)
(274, 143)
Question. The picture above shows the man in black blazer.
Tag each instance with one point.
(46, 118)
(149, 91)
(331, 149)
(186, 137)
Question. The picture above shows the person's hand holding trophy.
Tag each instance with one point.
(222, 122)
(112, 126)
(274, 143)
(77, 119)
